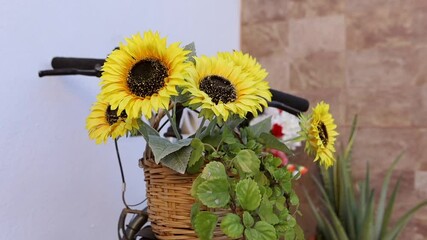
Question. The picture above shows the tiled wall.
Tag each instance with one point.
(365, 57)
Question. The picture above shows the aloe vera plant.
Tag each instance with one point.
(352, 213)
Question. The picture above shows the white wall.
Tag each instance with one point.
(54, 182)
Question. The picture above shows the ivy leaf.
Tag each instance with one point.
(231, 225)
(261, 231)
(261, 179)
(280, 203)
(195, 185)
(196, 154)
(266, 212)
(248, 194)
(271, 141)
(178, 160)
(214, 193)
(196, 166)
(299, 233)
(204, 225)
(248, 220)
(228, 135)
(162, 147)
(247, 162)
(195, 209)
(214, 170)
(262, 127)
(294, 198)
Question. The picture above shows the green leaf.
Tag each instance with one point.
(403, 220)
(209, 130)
(195, 185)
(178, 160)
(181, 97)
(146, 130)
(228, 135)
(248, 220)
(261, 179)
(271, 141)
(162, 147)
(266, 213)
(248, 194)
(294, 198)
(195, 209)
(234, 121)
(191, 47)
(262, 127)
(261, 231)
(299, 233)
(214, 170)
(231, 225)
(247, 162)
(379, 224)
(204, 225)
(197, 152)
(280, 203)
(214, 193)
(196, 167)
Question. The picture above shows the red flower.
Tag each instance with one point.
(276, 130)
(303, 170)
(291, 168)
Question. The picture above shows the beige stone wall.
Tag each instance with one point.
(365, 57)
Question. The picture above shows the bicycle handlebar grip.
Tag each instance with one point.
(77, 63)
(292, 101)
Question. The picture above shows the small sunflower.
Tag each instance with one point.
(220, 88)
(104, 122)
(320, 132)
(142, 75)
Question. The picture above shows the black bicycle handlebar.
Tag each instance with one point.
(77, 63)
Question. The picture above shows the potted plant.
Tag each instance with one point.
(351, 211)
(223, 181)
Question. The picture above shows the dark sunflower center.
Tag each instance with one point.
(147, 77)
(112, 117)
(218, 88)
(323, 133)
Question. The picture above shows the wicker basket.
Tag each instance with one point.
(170, 201)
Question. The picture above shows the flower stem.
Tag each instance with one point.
(173, 121)
(199, 130)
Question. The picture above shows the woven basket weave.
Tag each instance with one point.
(170, 201)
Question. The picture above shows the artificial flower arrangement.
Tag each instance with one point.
(223, 181)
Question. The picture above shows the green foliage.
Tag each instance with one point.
(240, 176)
(247, 194)
(351, 214)
(204, 224)
(232, 226)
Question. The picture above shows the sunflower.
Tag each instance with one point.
(246, 62)
(104, 122)
(320, 132)
(142, 75)
(221, 88)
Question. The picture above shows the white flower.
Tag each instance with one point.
(288, 123)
